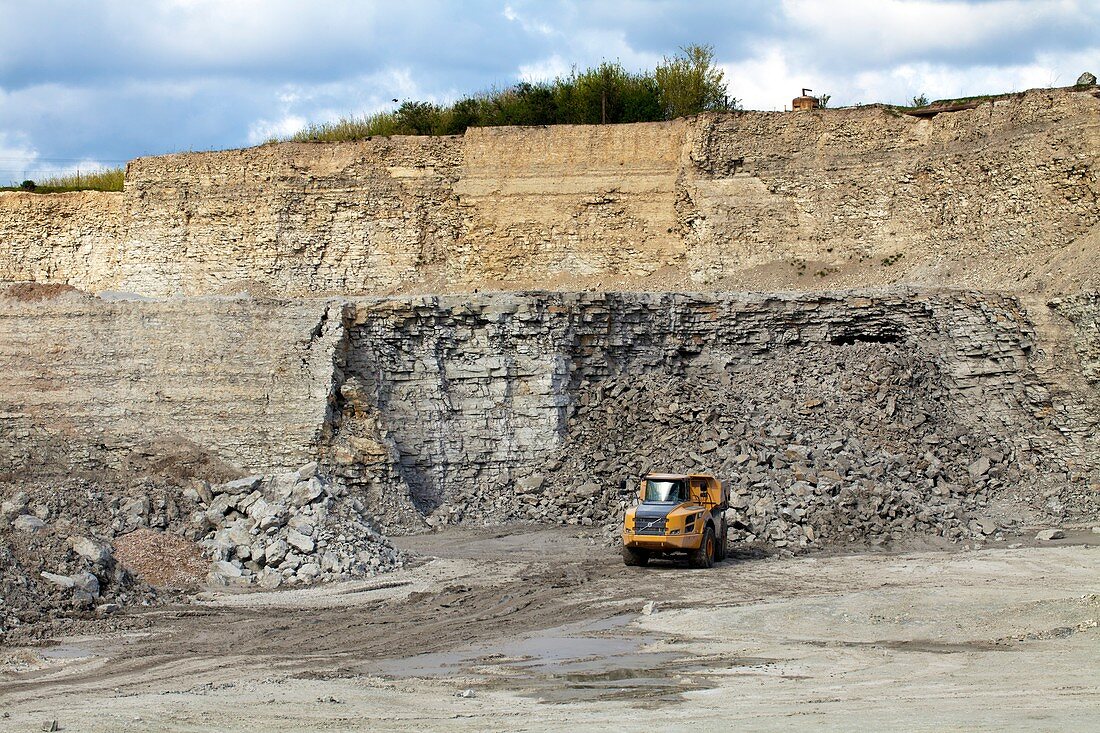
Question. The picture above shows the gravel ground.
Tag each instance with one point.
(514, 629)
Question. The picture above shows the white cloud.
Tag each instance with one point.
(766, 81)
(17, 158)
(20, 161)
(528, 24)
(264, 130)
(546, 69)
(888, 29)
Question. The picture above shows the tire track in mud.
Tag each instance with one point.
(500, 596)
(191, 646)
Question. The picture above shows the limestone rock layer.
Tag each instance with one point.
(443, 408)
(1004, 195)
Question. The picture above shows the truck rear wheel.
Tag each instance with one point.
(635, 558)
(723, 542)
(704, 556)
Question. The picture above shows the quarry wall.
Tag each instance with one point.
(452, 406)
(88, 384)
(538, 406)
(906, 406)
(755, 200)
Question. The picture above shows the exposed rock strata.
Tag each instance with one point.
(982, 197)
(87, 383)
(449, 404)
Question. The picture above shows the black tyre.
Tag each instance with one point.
(704, 556)
(635, 558)
(723, 542)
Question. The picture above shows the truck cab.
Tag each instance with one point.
(677, 515)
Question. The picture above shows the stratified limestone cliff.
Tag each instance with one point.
(88, 384)
(273, 318)
(451, 408)
(986, 197)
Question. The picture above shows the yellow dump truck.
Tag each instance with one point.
(678, 514)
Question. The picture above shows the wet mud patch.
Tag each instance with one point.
(925, 646)
(583, 661)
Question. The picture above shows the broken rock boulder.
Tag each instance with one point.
(293, 528)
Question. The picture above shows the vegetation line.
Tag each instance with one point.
(108, 179)
(686, 84)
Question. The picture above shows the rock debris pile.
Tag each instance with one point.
(56, 559)
(78, 549)
(288, 529)
(838, 443)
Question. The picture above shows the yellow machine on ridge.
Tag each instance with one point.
(679, 514)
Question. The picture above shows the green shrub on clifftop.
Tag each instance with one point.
(686, 84)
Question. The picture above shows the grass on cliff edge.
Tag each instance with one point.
(348, 128)
(110, 179)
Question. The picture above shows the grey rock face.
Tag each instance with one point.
(1086, 79)
(863, 416)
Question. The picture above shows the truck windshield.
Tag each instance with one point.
(664, 491)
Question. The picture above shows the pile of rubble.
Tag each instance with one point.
(847, 443)
(287, 529)
(75, 549)
(56, 561)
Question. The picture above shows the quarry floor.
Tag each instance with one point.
(527, 630)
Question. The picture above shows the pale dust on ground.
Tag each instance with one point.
(538, 630)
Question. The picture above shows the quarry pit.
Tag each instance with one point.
(343, 434)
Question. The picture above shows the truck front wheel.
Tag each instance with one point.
(635, 558)
(704, 556)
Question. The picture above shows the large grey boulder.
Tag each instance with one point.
(1088, 79)
(530, 484)
(240, 486)
(61, 581)
(91, 550)
(86, 582)
(276, 552)
(227, 569)
(28, 523)
(978, 468)
(299, 541)
(14, 506)
(308, 471)
(306, 492)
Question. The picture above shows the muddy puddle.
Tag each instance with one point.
(604, 659)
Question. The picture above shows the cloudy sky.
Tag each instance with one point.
(86, 82)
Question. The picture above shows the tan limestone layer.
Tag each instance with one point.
(996, 196)
(86, 382)
(68, 238)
